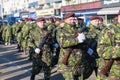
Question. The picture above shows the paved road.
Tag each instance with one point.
(16, 66)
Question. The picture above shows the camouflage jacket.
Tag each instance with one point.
(37, 34)
(92, 34)
(66, 36)
(109, 40)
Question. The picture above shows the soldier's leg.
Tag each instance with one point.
(47, 71)
(55, 57)
(31, 52)
(6, 40)
(32, 77)
(35, 71)
(9, 40)
(24, 46)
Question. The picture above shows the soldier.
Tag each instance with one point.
(108, 48)
(115, 20)
(14, 30)
(38, 64)
(30, 41)
(25, 34)
(18, 34)
(1, 30)
(90, 62)
(7, 34)
(66, 37)
(87, 64)
(80, 25)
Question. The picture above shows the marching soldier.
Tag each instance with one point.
(37, 32)
(38, 64)
(18, 34)
(66, 37)
(108, 48)
(7, 33)
(39, 36)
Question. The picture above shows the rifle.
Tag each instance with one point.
(106, 69)
(77, 46)
(66, 57)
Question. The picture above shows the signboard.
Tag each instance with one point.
(110, 3)
(51, 1)
(85, 6)
(45, 12)
(17, 14)
(24, 14)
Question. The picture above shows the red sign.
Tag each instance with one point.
(91, 5)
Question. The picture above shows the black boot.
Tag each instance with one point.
(32, 77)
(47, 78)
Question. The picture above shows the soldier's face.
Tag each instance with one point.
(118, 18)
(70, 20)
(41, 24)
(95, 22)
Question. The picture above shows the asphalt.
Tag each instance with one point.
(16, 66)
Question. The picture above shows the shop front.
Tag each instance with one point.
(82, 10)
(109, 9)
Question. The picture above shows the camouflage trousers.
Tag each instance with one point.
(114, 73)
(8, 39)
(68, 70)
(37, 69)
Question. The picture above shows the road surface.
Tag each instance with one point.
(16, 66)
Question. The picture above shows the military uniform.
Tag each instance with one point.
(54, 45)
(108, 49)
(14, 32)
(25, 36)
(18, 34)
(7, 34)
(1, 31)
(31, 42)
(66, 37)
(38, 64)
(38, 35)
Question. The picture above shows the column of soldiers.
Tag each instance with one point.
(77, 50)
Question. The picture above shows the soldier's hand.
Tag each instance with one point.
(46, 35)
(76, 33)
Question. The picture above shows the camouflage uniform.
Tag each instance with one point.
(31, 42)
(14, 26)
(37, 65)
(25, 36)
(108, 48)
(7, 34)
(38, 35)
(55, 50)
(66, 37)
(1, 31)
(18, 34)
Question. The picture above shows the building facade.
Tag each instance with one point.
(49, 8)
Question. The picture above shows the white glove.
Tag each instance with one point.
(81, 37)
(54, 54)
(90, 51)
(37, 50)
(56, 45)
